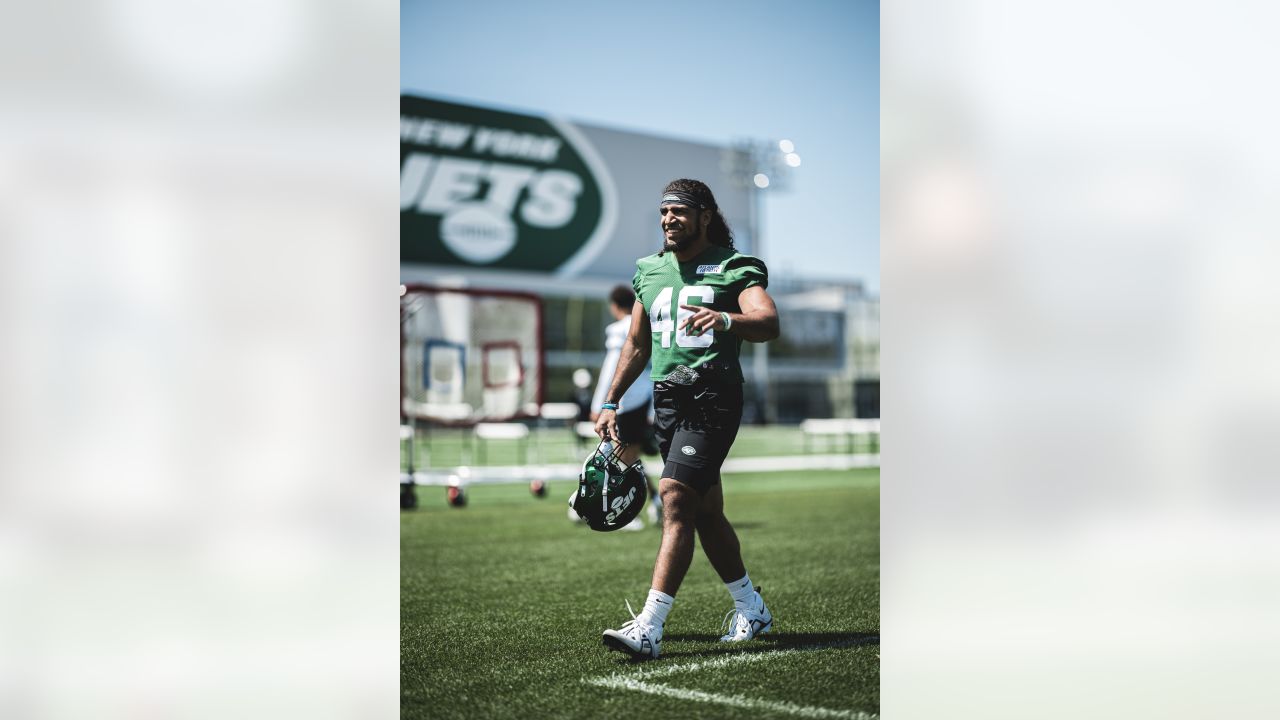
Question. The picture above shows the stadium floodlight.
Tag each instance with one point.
(761, 180)
(786, 146)
(793, 159)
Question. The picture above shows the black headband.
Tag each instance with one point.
(681, 198)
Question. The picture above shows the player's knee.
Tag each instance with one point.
(709, 520)
(679, 504)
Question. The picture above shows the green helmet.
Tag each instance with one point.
(609, 495)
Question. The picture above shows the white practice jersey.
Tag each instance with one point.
(640, 394)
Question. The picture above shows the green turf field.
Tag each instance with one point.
(503, 603)
(446, 447)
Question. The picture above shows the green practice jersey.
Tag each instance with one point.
(713, 279)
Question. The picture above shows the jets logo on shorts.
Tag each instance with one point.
(688, 450)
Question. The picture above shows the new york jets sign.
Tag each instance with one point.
(484, 188)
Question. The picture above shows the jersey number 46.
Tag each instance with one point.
(662, 311)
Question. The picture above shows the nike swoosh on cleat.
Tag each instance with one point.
(613, 643)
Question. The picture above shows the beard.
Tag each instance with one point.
(679, 242)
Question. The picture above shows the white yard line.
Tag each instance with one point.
(745, 657)
(737, 701)
(636, 682)
(498, 474)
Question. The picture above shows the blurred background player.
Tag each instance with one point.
(699, 299)
(635, 407)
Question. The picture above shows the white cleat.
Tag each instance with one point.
(743, 625)
(635, 638)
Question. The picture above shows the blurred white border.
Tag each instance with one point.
(198, 365)
(1080, 342)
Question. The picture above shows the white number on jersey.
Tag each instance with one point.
(660, 316)
(662, 310)
(706, 295)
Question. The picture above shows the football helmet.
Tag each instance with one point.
(610, 495)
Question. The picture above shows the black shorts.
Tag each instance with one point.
(696, 426)
(633, 426)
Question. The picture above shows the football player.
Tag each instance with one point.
(699, 299)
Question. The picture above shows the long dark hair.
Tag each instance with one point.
(718, 232)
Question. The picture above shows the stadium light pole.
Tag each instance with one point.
(760, 353)
(759, 166)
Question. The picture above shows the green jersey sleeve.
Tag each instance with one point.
(744, 271)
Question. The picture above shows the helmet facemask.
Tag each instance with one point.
(610, 494)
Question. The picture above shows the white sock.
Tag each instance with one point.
(743, 592)
(656, 607)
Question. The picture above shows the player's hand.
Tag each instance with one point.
(607, 425)
(702, 320)
(594, 416)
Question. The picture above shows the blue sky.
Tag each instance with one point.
(707, 71)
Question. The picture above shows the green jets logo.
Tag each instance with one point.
(483, 188)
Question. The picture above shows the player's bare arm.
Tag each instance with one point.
(632, 361)
(758, 321)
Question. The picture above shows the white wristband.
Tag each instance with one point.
(728, 321)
